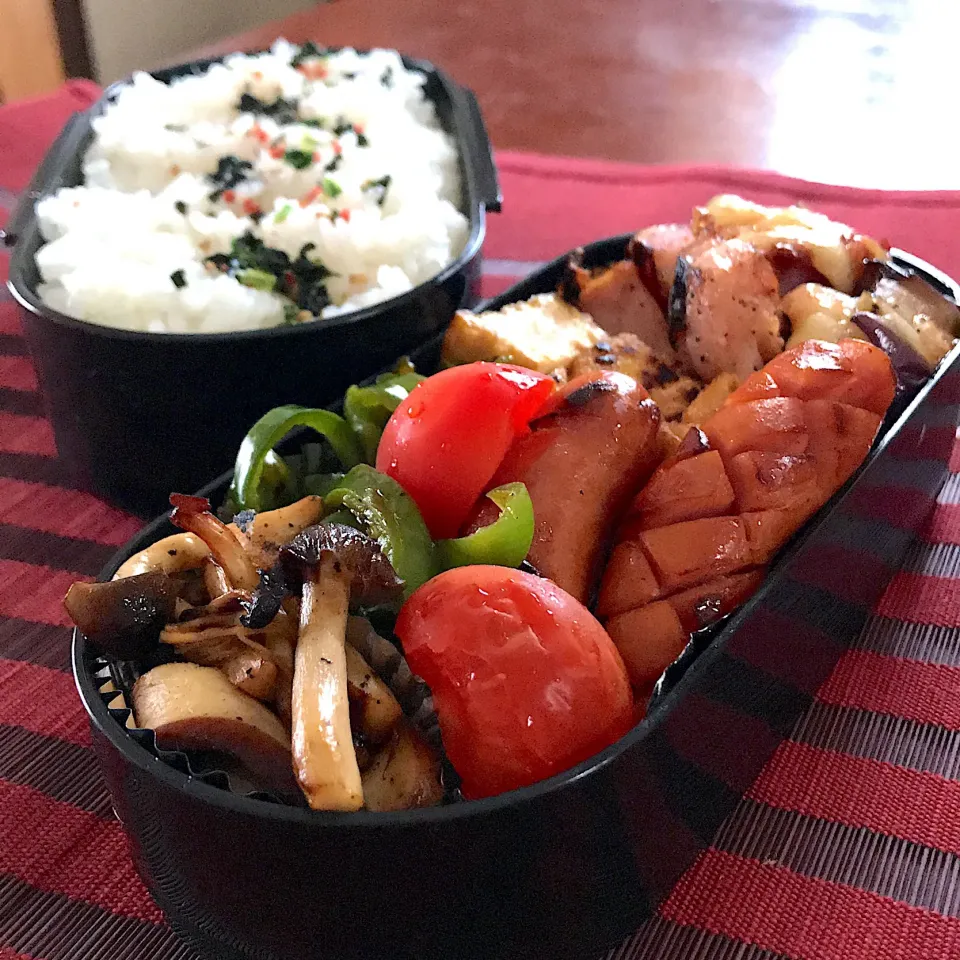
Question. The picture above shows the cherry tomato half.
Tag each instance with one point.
(525, 681)
(446, 440)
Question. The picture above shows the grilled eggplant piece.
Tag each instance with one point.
(914, 311)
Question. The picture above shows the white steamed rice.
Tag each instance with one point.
(127, 249)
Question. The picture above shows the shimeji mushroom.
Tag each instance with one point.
(337, 566)
(171, 555)
(265, 533)
(219, 640)
(404, 774)
(261, 535)
(193, 515)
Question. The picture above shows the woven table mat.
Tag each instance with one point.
(847, 846)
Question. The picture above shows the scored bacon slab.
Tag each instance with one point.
(699, 533)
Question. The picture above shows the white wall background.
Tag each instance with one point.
(128, 35)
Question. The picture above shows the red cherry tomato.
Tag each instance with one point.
(525, 681)
(446, 440)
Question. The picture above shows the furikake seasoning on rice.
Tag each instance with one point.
(273, 188)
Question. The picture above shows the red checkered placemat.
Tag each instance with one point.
(847, 846)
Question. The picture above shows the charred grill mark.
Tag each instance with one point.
(594, 388)
(665, 375)
(643, 260)
(677, 306)
(569, 288)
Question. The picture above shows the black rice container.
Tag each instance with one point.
(125, 405)
(569, 867)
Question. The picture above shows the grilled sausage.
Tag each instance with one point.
(698, 535)
(581, 462)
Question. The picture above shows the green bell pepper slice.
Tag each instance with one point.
(256, 456)
(503, 543)
(392, 519)
(367, 409)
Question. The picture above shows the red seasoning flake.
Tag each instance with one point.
(278, 152)
(257, 75)
(308, 198)
(250, 207)
(259, 134)
(358, 129)
(337, 149)
(175, 170)
(345, 215)
(229, 196)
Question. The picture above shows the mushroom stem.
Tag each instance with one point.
(192, 514)
(214, 579)
(174, 554)
(323, 755)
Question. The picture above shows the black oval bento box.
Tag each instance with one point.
(126, 404)
(569, 867)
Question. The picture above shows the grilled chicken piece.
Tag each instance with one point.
(665, 243)
(835, 251)
(671, 390)
(723, 310)
(618, 299)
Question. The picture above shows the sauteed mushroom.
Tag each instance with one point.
(336, 565)
(123, 618)
(405, 774)
(173, 554)
(193, 514)
(196, 708)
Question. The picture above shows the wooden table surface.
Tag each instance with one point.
(843, 91)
